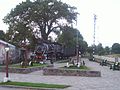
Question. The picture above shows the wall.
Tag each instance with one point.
(20, 70)
(69, 72)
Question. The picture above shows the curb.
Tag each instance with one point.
(24, 87)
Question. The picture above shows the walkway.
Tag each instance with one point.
(110, 80)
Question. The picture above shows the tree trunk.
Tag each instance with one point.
(44, 36)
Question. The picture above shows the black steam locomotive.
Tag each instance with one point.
(53, 51)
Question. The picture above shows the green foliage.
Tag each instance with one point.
(116, 48)
(99, 50)
(2, 35)
(70, 37)
(83, 46)
(107, 50)
(37, 19)
(90, 49)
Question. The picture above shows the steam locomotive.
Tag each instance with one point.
(53, 51)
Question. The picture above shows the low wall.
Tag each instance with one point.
(22, 70)
(70, 72)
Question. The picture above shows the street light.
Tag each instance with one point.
(6, 79)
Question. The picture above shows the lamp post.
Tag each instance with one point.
(6, 79)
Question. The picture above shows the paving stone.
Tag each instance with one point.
(110, 80)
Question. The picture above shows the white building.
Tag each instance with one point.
(3, 52)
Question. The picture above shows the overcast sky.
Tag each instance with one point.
(107, 23)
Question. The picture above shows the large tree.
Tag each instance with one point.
(107, 50)
(70, 37)
(116, 48)
(99, 49)
(39, 18)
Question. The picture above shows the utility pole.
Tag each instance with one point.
(94, 36)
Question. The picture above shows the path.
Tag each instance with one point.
(110, 80)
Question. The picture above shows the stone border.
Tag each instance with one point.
(71, 72)
(22, 70)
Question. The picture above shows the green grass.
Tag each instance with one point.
(37, 85)
(34, 65)
(75, 67)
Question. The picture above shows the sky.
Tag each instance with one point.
(107, 22)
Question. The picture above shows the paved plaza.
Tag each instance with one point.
(110, 80)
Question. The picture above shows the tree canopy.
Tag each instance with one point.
(70, 37)
(38, 19)
(2, 35)
(116, 48)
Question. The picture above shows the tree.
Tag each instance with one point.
(39, 18)
(83, 46)
(69, 36)
(90, 49)
(2, 35)
(107, 50)
(116, 48)
(99, 49)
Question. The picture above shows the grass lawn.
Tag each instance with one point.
(34, 65)
(75, 67)
(37, 85)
